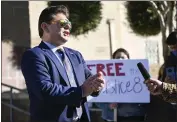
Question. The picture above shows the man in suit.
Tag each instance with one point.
(57, 78)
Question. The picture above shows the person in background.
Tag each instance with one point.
(155, 111)
(57, 78)
(170, 66)
(132, 112)
(164, 109)
(170, 75)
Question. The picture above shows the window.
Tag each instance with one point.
(152, 51)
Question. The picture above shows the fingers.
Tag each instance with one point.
(97, 86)
(150, 81)
(100, 77)
(151, 87)
(93, 84)
(100, 74)
(92, 77)
(99, 83)
(96, 82)
(99, 80)
(96, 76)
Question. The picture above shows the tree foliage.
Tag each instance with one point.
(148, 18)
(85, 16)
(142, 19)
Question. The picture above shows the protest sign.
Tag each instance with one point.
(124, 82)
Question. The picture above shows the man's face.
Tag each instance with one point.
(59, 29)
(173, 47)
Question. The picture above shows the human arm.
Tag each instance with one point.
(167, 90)
(40, 83)
(88, 74)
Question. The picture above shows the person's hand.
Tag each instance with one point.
(113, 105)
(154, 86)
(93, 84)
(99, 82)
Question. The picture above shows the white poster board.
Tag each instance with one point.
(124, 82)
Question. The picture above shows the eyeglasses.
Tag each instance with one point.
(64, 23)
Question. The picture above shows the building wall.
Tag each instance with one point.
(15, 38)
(35, 8)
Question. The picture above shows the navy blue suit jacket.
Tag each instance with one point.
(48, 85)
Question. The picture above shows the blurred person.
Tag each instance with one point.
(169, 93)
(170, 66)
(57, 78)
(132, 112)
(155, 111)
(170, 72)
(168, 77)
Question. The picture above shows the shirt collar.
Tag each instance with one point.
(53, 47)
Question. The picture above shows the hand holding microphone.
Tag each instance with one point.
(154, 86)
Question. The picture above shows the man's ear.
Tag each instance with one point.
(44, 27)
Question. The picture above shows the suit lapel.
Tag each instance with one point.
(55, 60)
(74, 62)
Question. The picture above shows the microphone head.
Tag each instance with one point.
(143, 71)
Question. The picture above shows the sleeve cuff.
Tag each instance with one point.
(170, 88)
(164, 86)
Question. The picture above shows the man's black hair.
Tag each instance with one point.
(172, 38)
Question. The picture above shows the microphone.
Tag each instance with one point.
(143, 71)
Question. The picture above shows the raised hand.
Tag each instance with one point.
(99, 82)
(93, 84)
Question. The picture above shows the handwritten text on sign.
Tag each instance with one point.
(124, 82)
